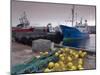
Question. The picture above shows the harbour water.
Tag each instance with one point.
(88, 44)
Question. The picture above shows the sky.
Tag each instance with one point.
(40, 14)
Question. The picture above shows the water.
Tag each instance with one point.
(88, 44)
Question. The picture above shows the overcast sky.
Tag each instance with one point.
(40, 14)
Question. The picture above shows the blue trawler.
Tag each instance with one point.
(73, 36)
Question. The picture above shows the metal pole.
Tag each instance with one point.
(73, 15)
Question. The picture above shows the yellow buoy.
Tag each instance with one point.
(80, 62)
(69, 58)
(80, 52)
(66, 49)
(83, 54)
(47, 70)
(76, 56)
(57, 65)
(62, 58)
(71, 51)
(80, 59)
(70, 64)
(79, 66)
(59, 51)
(56, 54)
(74, 67)
(61, 63)
(50, 65)
(61, 55)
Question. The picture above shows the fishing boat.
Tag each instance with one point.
(72, 36)
(25, 34)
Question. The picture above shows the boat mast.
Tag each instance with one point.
(76, 18)
(73, 14)
(26, 22)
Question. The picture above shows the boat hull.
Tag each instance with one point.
(72, 36)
